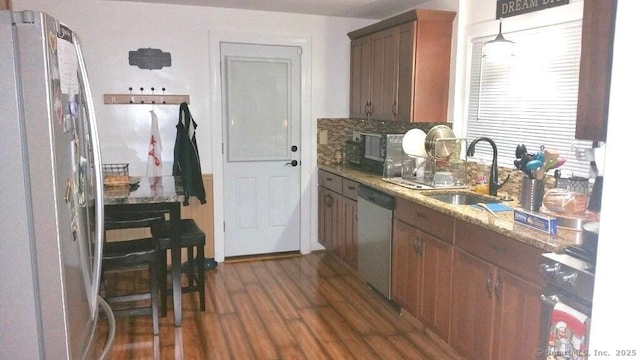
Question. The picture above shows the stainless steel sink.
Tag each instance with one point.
(463, 198)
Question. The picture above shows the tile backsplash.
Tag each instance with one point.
(339, 130)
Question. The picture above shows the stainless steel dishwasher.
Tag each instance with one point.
(375, 223)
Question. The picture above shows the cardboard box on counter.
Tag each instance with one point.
(535, 221)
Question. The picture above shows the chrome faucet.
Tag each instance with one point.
(493, 176)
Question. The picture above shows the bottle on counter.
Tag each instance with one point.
(482, 178)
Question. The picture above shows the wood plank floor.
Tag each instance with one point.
(302, 307)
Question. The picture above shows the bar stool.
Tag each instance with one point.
(192, 238)
(126, 254)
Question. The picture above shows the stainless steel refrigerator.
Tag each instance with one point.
(51, 199)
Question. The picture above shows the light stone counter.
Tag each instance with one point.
(503, 224)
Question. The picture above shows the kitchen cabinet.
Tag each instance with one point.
(373, 74)
(495, 308)
(337, 216)
(347, 243)
(598, 25)
(400, 68)
(328, 218)
(421, 264)
(360, 92)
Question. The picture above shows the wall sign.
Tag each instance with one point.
(506, 8)
(151, 59)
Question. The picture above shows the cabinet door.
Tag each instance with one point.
(405, 266)
(595, 69)
(472, 306)
(349, 251)
(406, 71)
(328, 218)
(360, 77)
(435, 302)
(384, 74)
(517, 317)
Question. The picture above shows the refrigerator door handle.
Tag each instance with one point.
(99, 192)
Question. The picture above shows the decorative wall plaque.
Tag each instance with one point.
(151, 59)
(506, 8)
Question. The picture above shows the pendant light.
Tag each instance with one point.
(498, 47)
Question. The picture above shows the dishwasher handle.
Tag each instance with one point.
(378, 198)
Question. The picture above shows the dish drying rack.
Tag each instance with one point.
(455, 163)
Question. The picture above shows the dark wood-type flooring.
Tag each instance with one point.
(298, 307)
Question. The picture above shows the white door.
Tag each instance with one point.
(261, 86)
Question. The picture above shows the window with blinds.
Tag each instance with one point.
(529, 98)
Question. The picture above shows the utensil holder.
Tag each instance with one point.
(531, 194)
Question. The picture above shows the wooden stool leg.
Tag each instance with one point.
(201, 276)
(163, 282)
(153, 270)
(190, 265)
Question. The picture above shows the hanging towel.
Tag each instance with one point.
(186, 158)
(154, 158)
(568, 333)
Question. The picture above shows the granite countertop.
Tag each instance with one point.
(503, 224)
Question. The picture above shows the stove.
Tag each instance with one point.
(570, 274)
(566, 304)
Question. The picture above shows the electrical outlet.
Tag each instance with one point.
(323, 137)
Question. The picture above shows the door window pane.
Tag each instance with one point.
(258, 109)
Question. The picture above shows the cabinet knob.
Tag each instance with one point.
(329, 200)
(566, 279)
(549, 271)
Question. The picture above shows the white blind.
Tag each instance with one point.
(530, 98)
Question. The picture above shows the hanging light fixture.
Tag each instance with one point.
(498, 47)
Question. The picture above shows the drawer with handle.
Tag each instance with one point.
(430, 221)
(330, 181)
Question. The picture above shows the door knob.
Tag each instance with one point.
(292, 163)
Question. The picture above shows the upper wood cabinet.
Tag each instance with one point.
(598, 23)
(400, 68)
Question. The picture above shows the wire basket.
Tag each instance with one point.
(115, 174)
(121, 169)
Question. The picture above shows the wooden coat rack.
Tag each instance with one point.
(141, 99)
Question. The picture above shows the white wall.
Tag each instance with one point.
(110, 29)
(616, 314)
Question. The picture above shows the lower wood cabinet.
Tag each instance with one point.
(338, 217)
(476, 289)
(421, 267)
(328, 213)
(495, 314)
(347, 245)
